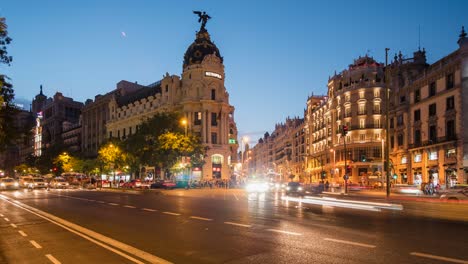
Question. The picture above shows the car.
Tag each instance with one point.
(103, 183)
(278, 186)
(37, 183)
(132, 184)
(295, 188)
(8, 183)
(59, 183)
(407, 189)
(455, 195)
(25, 181)
(358, 187)
(165, 184)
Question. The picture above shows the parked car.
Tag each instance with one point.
(59, 183)
(9, 183)
(456, 195)
(37, 183)
(103, 184)
(295, 188)
(132, 184)
(165, 184)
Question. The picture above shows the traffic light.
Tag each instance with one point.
(348, 169)
(344, 130)
(363, 158)
(323, 175)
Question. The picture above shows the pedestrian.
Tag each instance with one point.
(327, 186)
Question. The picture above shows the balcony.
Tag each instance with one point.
(377, 112)
(362, 112)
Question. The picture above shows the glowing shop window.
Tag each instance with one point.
(417, 157)
(433, 155)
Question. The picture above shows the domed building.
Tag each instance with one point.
(199, 94)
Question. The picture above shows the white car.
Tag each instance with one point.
(456, 195)
(8, 183)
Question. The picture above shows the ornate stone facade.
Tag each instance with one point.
(199, 94)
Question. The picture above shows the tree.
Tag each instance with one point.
(7, 110)
(111, 156)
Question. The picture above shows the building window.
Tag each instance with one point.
(451, 153)
(347, 98)
(362, 123)
(432, 89)
(433, 134)
(118, 134)
(376, 108)
(417, 137)
(404, 160)
(377, 123)
(124, 133)
(198, 118)
(417, 157)
(361, 94)
(417, 115)
(362, 137)
(214, 138)
(400, 139)
(214, 119)
(450, 130)
(402, 99)
(450, 103)
(399, 120)
(392, 142)
(362, 109)
(377, 136)
(130, 130)
(348, 112)
(167, 88)
(450, 81)
(433, 155)
(110, 134)
(432, 109)
(213, 94)
(376, 93)
(417, 95)
(391, 123)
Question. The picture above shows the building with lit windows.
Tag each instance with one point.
(428, 117)
(199, 94)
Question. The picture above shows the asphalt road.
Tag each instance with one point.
(215, 226)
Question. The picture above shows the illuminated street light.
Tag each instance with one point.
(184, 123)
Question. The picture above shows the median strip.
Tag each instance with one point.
(424, 255)
(52, 259)
(350, 243)
(237, 224)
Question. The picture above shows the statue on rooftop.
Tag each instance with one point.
(203, 18)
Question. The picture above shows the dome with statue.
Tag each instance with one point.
(201, 47)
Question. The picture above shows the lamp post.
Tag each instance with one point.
(184, 123)
(244, 141)
(387, 122)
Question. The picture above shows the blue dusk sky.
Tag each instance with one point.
(276, 53)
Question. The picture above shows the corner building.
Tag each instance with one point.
(199, 94)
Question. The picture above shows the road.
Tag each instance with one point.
(215, 226)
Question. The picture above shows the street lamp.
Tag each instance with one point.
(184, 123)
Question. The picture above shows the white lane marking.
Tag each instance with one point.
(113, 204)
(285, 232)
(22, 233)
(438, 257)
(201, 218)
(101, 202)
(13, 225)
(237, 224)
(6, 219)
(35, 244)
(1, 215)
(350, 243)
(130, 206)
(90, 235)
(149, 210)
(235, 196)
(52, 259)
(170, 213)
